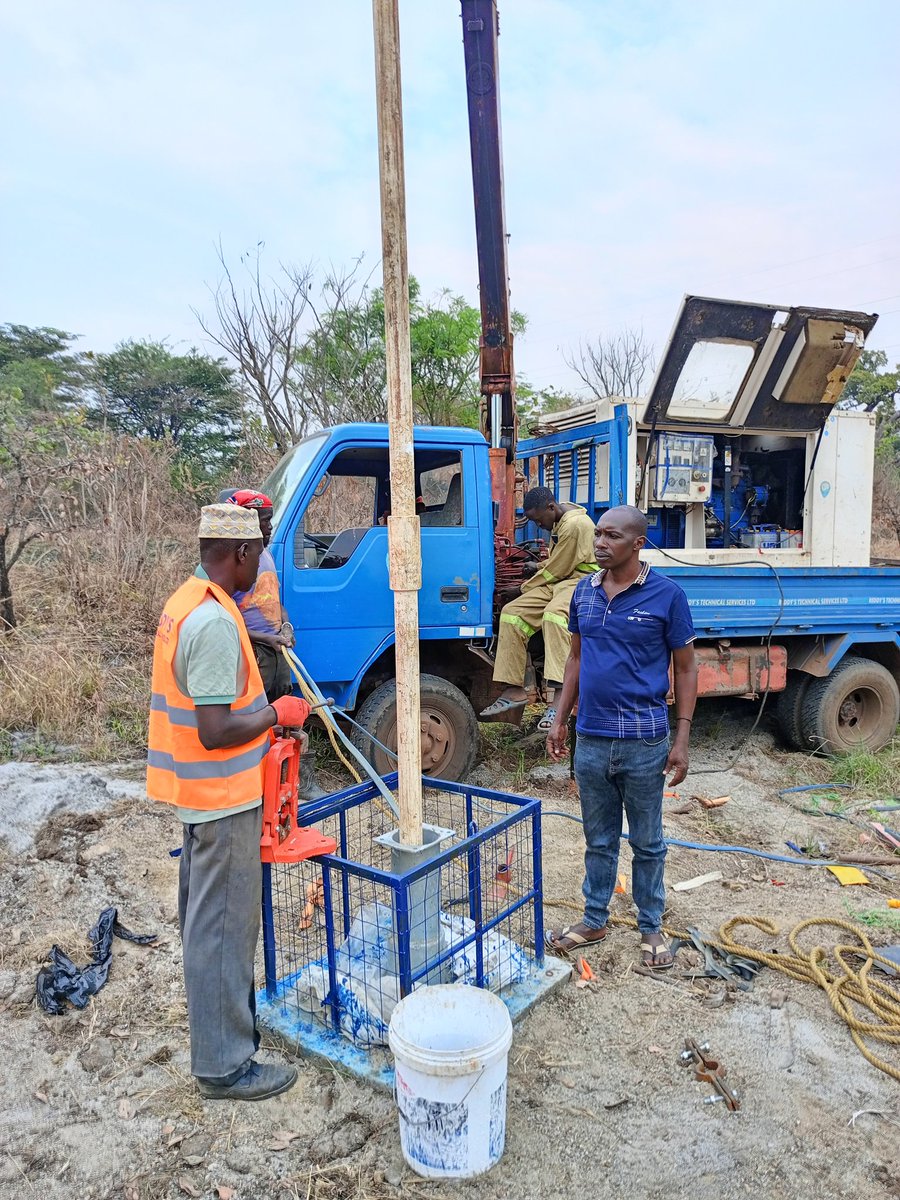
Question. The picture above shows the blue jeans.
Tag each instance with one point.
(615, 774)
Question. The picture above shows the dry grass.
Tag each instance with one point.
(76, 670)
(34, 950)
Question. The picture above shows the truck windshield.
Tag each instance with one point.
(282, 483)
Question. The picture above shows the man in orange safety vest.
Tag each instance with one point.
(209, 735)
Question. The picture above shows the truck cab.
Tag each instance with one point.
(331, 496)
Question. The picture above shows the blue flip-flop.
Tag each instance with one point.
(545, 724)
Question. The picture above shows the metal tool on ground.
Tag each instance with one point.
(709, 1070)
(869, 1008)
(719, 963)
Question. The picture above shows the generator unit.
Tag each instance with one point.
(739, 450)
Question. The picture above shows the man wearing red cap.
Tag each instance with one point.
(261, 606)
(268, 626)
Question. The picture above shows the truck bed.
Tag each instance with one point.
(791, 601)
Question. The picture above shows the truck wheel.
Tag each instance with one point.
(789, 706)
(450, 735)
(857, 705)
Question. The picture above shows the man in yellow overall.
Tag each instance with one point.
(543, 604)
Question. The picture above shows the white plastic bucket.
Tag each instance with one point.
(450, 1044)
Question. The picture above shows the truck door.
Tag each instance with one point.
(337, 589)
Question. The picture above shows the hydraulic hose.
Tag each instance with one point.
(785, 858)
(309, 687)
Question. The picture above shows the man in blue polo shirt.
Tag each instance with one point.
(627, 621)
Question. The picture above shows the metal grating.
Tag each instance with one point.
(345, 936)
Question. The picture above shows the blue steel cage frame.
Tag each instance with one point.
(522, 809)
(612, 433)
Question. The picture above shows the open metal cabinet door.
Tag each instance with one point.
(755, 366)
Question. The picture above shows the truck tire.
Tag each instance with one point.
(857, 705)
(450, 734)
(789, 706)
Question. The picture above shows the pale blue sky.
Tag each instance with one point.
(651, 149)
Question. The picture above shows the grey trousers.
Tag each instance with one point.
(219, 899)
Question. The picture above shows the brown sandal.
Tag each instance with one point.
(651, 955)
(575, 940)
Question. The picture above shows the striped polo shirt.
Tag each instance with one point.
(626, 646)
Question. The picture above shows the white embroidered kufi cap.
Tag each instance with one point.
(229, 521)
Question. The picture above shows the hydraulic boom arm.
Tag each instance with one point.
(498, 406)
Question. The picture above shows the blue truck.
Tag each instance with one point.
(756, 484)
(826, 638)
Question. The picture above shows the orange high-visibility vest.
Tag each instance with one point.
(179, 770)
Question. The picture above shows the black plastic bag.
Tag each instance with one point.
(62, 980)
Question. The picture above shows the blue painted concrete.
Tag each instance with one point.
(375, 1066)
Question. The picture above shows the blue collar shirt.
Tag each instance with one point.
(626, 647)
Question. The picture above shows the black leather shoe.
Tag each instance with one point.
(258, 1082)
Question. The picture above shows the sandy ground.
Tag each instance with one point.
(99, 1103)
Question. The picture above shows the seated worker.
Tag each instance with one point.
(543, 604)
(268, 627)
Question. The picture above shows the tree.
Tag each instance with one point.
(191, 400)
(312, 354)
(340, 371)
(535, 404)
(260, 323)
(615, 365)
(41, 468)
(873, 388)
(444, 346)
(37, 366)
(40, 443)
(444, 337)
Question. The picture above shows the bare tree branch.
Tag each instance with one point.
(615, 365)
(307, 362)
(259, 324)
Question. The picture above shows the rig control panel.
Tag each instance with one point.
(684, 468)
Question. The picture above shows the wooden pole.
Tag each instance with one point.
(404, 546)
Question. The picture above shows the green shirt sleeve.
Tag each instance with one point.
(574, 546)
(210, 653)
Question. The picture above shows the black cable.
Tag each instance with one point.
(646, 465)
(768, 645)
(812, 465)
